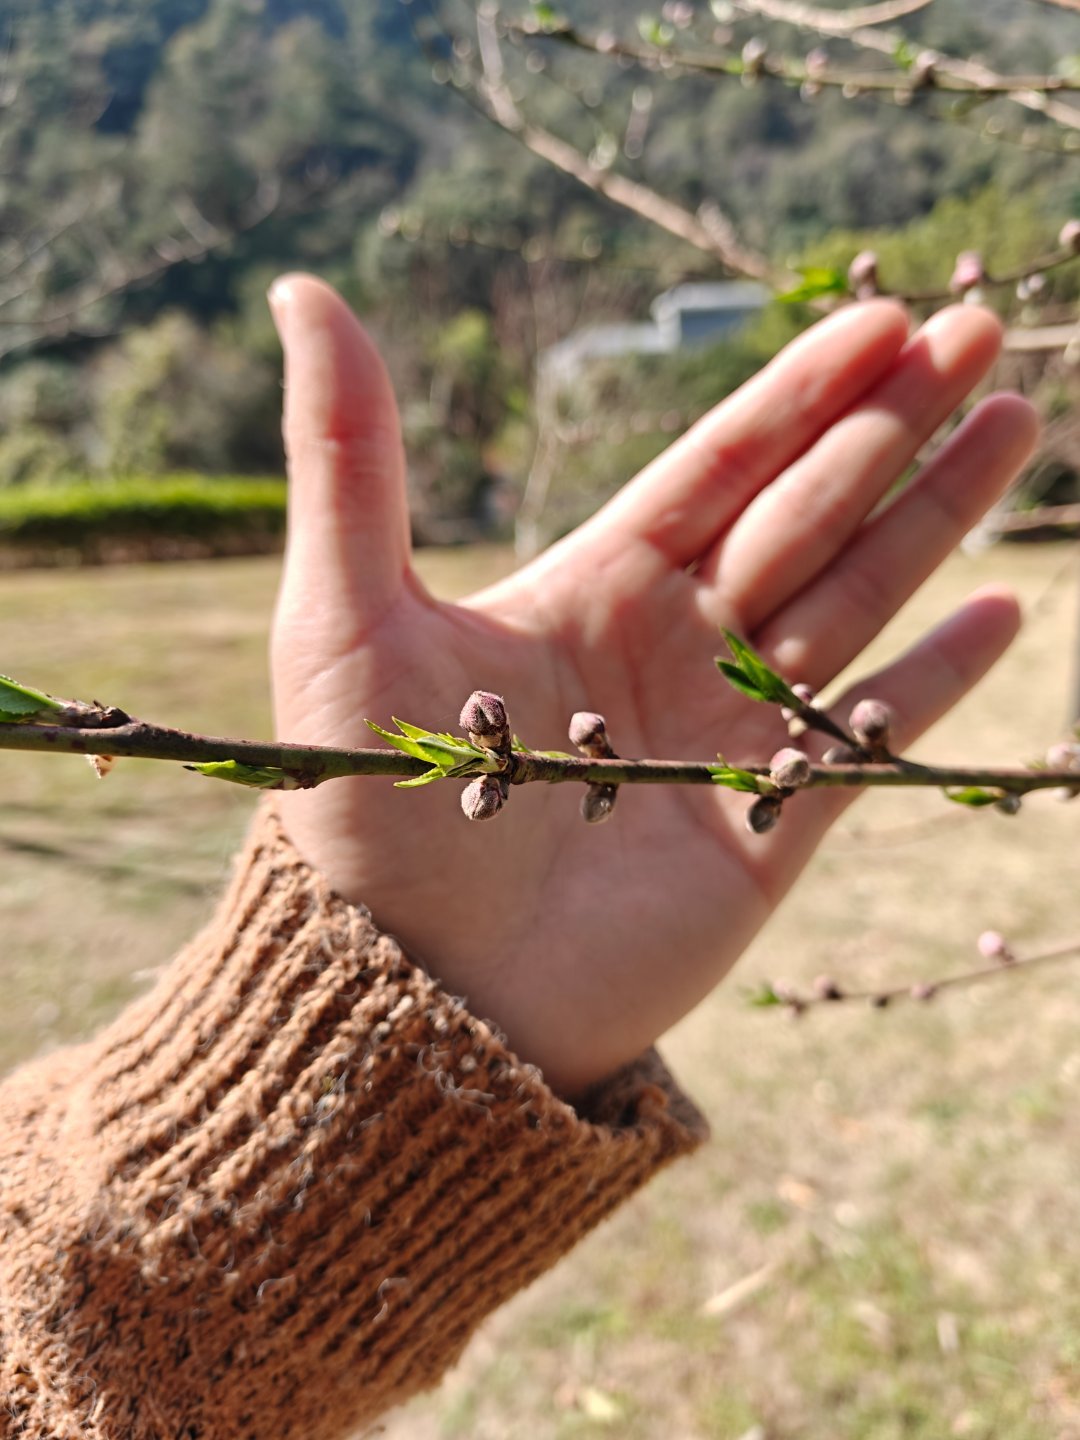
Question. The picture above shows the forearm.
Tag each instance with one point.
(280, 1192)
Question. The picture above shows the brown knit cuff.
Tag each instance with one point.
(280, 1193)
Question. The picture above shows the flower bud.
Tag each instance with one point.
(588, 732)
(923, 991)
(826, 988)
(817, 61)
(863, 275)
(763, 814)
(753, 57)
(598, 802)
(924, 69)
(993, 946)
(968, 273)
(1064, 756)
(789, 768)
(840, 755)
(483, 798)
(1069, 239)
(871, 721)
(485, 720)
(1008, 805)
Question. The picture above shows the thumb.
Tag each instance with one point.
(348, 530)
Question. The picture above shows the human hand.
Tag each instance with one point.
(585, 943)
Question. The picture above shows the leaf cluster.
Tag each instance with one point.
(449, 756)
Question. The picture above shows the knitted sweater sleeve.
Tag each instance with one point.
(280, 1192)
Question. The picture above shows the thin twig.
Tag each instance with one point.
(828, 992)
(308, 765)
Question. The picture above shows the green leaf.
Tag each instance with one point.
(258, 777)
(546, 16)
(763, 997)
(655, 32)
(753, 677)
(817, 281)
(20, 704)
(418, 780)
(739, 680)
(736, 779)
(399, 742)
(974, 795)
(904, 54)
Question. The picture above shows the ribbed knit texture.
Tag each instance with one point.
(282, 1190)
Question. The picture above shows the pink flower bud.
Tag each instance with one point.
(923, 991)
(753, 55)
(484, 716)
(817, 61)
(1069, 239)
(968, 272)
(763, 814)
(586, 728)
(789, 768)
(482, 799)
(863, 275)
(993, 946)
(924, 69)
(1064, 756)
(871, 722)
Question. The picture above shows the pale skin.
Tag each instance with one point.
(583, 943)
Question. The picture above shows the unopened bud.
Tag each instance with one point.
(1008, 805)
(763, 814)
(588, 733)
(1069, 239)
(840, 755)
(817, 61)
(1064, 756)
(804, 694)
(482, 799)
(789, 768)
(485, 720)
(993, 946)
(598, 802)
(753, 57)
(826, 988)
(968, 272)
(101, 764)
(923, 991)
(863, 275)
(880, 1002)
(871, 722)
(924, 69)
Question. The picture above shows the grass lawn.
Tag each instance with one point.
(880, 1241)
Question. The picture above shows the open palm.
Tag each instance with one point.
(585, 943)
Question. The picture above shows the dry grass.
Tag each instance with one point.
(901, 1186)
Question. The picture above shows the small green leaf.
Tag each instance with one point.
(817, 281)
(546, 16)
(735, 779)
(763, 997)
(974, 795)
(753, 677)
(655, 32)
(399, 742)
(418, 780)
(20, 704)
(258, 777)
(904, 54)
(739, 680)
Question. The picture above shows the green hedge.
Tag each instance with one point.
(155, 517)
